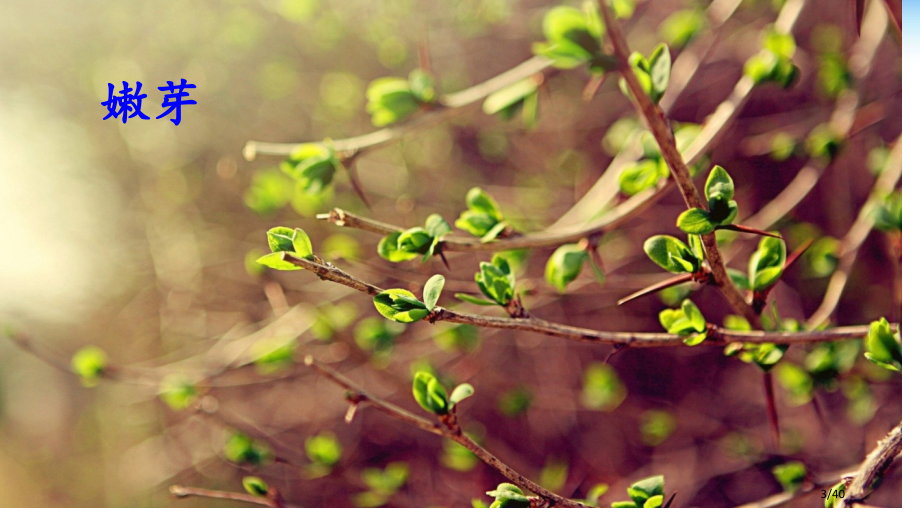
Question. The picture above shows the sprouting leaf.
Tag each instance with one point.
(660, 70)
(790, 475)
(421, 84)
(644, 493)
(302, 245)
(508, 495)
(671, 254)
(388, 248)
(432, 291)
(461, 392)
(509, 99)
(564, 266)
(436, 226)
(400, 305)
(883, 347)
(389, 100)
(255, 486)
(323, 449)
(767, 263)
(275, 262)
(312, 166)
(601, 388)
(178, 392)
(483, 217)
(89, 363)
(681, 26)
(696, 221)
(242, 449)
(595, 494)
(687, 321)
(281, 239)
(429, 393)
(833, 494)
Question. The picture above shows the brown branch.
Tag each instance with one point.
(810, 485)
(849, 246)
(447, 104)
(447, 428)
(661, 130)
(870, 473)
(267, 501)
(717, 335)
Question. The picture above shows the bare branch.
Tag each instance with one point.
(717, 336)
(870, 473)
(272, 500)
(453, 432)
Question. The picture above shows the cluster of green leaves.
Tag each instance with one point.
(601, 388)
(790, 475)
(482, 218)
(255, 486)
(382, 484)
(508, 496)
(178, 392)
(517, 97)
(89, 363)
(242, 449)
(774, 61)
(312, 167)
(673, 255)
(653, 72)
(719, 191)
(888, 214)
(883, 347)
(324, 452)
(495, 280)
(392, 99)
(401, 305)
(573, 37)
(646, 493)
(565, 264)
(412, 242)
(686, 321)
(652, 168)
(431, 395)
(284, 240)
(765, 355)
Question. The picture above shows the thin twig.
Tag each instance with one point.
(661, 130)
(450, 431)
(870, 473)
(184, 491)
(849, 246)
(447, 104)
(717, 336)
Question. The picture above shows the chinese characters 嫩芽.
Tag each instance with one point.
(127, 105)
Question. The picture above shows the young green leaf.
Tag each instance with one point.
(422, 85)
(390, 99)
(696, 221)
(432, 291)
(400, 305)
(388, 248)
(323, 449)
(671, 254)
(564, 266)
(883, 347)
(178, 392)
(312, 166)
(436, 226)
(508, 495)
(429, 393)
(255, 486)
(463, 391)
(790, 475)
(767, 263)
(687, 321)
(89, 363)
(281, 239)
(302, 245)
(659, 70)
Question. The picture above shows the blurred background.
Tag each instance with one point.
(134, 238)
